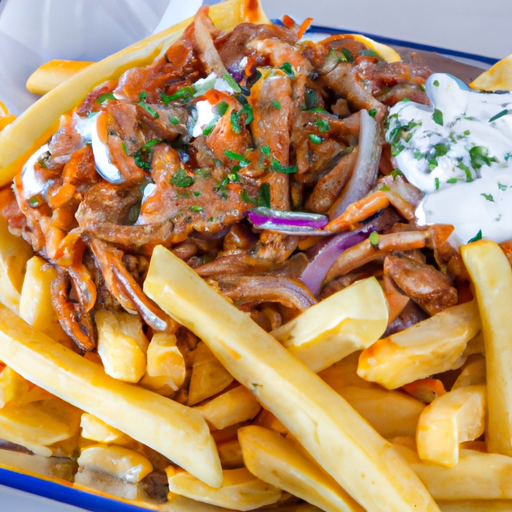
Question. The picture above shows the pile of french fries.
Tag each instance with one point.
(320, 414)
(321, 409)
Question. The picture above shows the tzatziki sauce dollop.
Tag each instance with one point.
(458, 152)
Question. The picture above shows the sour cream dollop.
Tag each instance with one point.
(459, 153)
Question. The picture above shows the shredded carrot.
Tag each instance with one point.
(62, 195)
(305, 25)
(288, 22)
(308, 242)
(425, 390)
(250, 63)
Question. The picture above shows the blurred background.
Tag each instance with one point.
(35, 31)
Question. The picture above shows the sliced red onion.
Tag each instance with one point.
(364, 176)
(287, 222)
(324, 254)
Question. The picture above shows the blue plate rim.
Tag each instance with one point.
(399, 42)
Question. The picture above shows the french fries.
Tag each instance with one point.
(434, 346)
(492, 277)
(345, 322)
(276, 461)
(321, 420)
(240, 490)
(450, 420)
(179, 433)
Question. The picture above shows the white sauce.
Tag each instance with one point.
(458, 156)
(205, 115)
(212, 81)
(31, 183)
(104, 166)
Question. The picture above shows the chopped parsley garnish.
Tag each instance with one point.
(437, 116)
(222, 188)
(501, 186)
(105, 97)
(277, 104)
(232, 82)
(372, 112)
(368, 52)
(397, 172)
(35, 201)
(146, 107)
(477, 237)
(237, 156)
(204, 173)
(480, 156)
(437, 183)
(315, 139)
(265, 195)
(221, 108)
(197, 194)
(488, 197)
(288, 69)
(422, 87)
(418, 155)
(374, 239)
(322, 125)
(181, 179)
(246, 111)
(143, 155)
(347, 54)
(452, 180)
(184, 94)
(174, 120)
(498, 115)
(265, 150)
(311, 98)
(165, 99)
(467, 171)
(436, 83)
(196, 208)
(287, 169)
(210, 126)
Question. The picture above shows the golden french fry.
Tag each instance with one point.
(277, 461)
(492, 277)
(36, 426)
(96, 430)
(472, 374)
(349, 320)
(240, 489)
(497, 78)
(344, 373)
(33, 128)
(117, 461)
(451, 419)
(230, 453)
(166, 369)
(12, 386)
(330, 430)
(477, 476)
(390, 413)
(122, 345)
(36, 301)
(14, 254)
(208, 378)
(53, 73)
(175, 431)
(233, 406)
(432, 346)
(476, 506)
